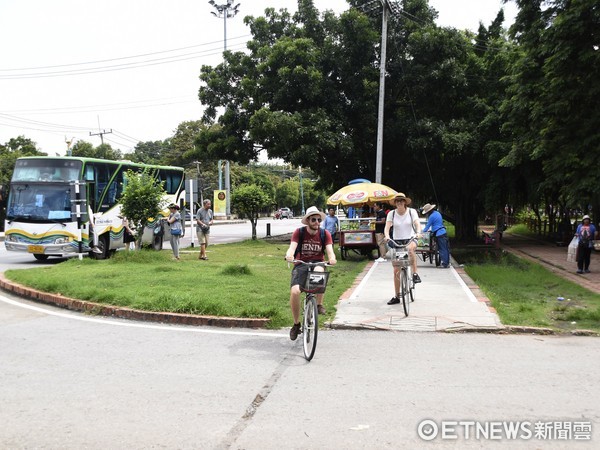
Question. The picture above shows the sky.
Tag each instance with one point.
(72, 69)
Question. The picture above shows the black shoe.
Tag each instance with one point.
(416, 278)
(295, 331)
(394, 301)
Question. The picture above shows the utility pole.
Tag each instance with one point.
(301, 189)
(101, 134)
(382, 60)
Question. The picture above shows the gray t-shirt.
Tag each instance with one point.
(205, 215)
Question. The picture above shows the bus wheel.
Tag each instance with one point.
(103, 246)
(157, 243)
(40, 257)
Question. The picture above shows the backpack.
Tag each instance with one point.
(301, 240)
(584, 237)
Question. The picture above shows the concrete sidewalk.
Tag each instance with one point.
(447, 299)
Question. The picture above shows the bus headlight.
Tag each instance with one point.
(62, 240)
(11, 238)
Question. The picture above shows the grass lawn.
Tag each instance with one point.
(245, 279)
(526, 293)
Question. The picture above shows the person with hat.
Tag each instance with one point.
(438, 230)
(586, 231)
(174, 221)
(406, 229)
(309, 243)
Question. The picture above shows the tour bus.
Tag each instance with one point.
(51, 200)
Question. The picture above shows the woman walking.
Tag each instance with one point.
(586, 231)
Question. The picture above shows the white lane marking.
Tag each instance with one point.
(363, 282)
(468, 291)
(117, 322)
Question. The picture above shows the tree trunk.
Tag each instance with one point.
(466, 221)
(254, 220)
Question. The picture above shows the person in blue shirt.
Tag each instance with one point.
(331, 223)
(436, 224)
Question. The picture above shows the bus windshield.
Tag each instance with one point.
(37, 202)
(46, 170)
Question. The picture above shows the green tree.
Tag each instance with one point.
(288, 194)
(103, 151)
(551, 107)
(248, 201)
(150, 152)
(141, 200)
(300, 94)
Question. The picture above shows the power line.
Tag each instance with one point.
(115, 67)
(123, 57)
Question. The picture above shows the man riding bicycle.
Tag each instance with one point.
(309, 244)
(406, 229)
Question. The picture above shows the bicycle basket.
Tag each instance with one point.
(400, 258)
(316, 282)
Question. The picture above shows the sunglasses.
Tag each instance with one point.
(315, 219)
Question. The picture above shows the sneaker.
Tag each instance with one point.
(394, 301)
(443, 267)
(321, 309)
(416, 278)
(580, 271)
(380, 260)
(97, 250)
(586, 271)
(295, 331)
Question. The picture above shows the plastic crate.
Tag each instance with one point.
(316, 282)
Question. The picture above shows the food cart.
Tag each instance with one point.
(427, 249)
(357, 235)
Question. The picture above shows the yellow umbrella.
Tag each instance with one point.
(365, 192)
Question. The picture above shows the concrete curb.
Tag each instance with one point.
(128, 313)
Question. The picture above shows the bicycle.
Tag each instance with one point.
(434, 248)
(401, 259)
(316, 282)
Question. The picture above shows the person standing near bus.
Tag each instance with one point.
(204, 219)
(174, 221)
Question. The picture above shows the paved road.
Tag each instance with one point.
(72, 382)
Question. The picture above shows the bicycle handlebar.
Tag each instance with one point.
(311, 264)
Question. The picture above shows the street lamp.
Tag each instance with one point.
(198, 188)
(226, 11)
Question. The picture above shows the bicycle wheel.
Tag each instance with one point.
(433, 252)
(411, 289)
(404, 289)
(310, 326)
